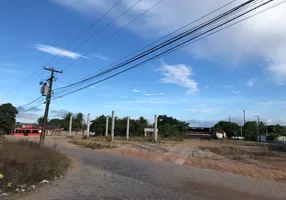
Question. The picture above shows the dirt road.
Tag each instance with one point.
(101, 175)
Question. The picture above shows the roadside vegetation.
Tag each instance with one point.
(26, 163)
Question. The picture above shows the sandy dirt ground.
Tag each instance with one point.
(189, 153)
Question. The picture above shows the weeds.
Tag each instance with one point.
(238, 154)
(92, 144)
(26, 162)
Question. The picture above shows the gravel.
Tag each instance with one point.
(99, 175)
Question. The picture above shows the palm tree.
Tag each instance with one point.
(79, 121)
(66, 120)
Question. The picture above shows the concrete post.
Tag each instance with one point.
(127, 128)
(88, 125)
(155, 128)
(106, 127)
(70, 128)
(112, 125)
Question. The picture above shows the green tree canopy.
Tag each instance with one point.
(168, 130)
(7, 117)
(249, 130)
(230, 128)
(181, 126)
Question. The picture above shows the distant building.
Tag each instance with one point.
(198, 132)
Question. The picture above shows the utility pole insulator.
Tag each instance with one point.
(47, 90)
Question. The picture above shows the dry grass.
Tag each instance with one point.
(238, 153)
(24, 162)
(92, 144)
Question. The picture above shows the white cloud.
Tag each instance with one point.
(237, 92)
(231, 88)
(139, 101)
(203, 110)
(58, 51)
(228, 86)
(161, 93)
(180, 75)
(265, 32)
(135, 90)
(101, 57)
(251, 82)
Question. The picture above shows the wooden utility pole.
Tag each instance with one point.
(48, 101)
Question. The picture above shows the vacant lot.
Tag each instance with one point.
(247, 158)
(25, 163)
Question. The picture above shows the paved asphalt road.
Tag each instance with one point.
(98, 175)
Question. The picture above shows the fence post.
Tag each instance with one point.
(127, 128)
(155, 128)
(112, 125)
(70, 128)
(88, 125)
(106, 127)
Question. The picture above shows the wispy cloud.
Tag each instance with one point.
(267, 103)
(237, 92)
(58, 51)
(21, 109)
(139, 101)
(135, 90)
(58, 112)
(180, 75)
(228, 86)
(251, 81)
(203, 110)
(161, 93)
(101, 57)
(231, 88)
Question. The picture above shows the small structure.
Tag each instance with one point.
(149, 132)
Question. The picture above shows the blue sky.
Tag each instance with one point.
(243, 67)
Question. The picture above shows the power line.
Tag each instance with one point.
(33, 101)
(102, 29)
(185, 42)
(111, 36)
(154, 42)
(85, 31)
(164, 44)
(32, 108)
(26, 82)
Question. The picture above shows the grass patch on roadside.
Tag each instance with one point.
(238, 154)
(92, 144)
(25, 162)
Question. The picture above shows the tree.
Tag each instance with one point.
(230, 128)
(181, 126)
(98, 125)
(40, 121)
(79, 121)
(66, 121)
(7, 117)
(59, 123)
(168, 130)
(249, 130)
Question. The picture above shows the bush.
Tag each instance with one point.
(167, 130)
(27, 163)
(272, 137)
